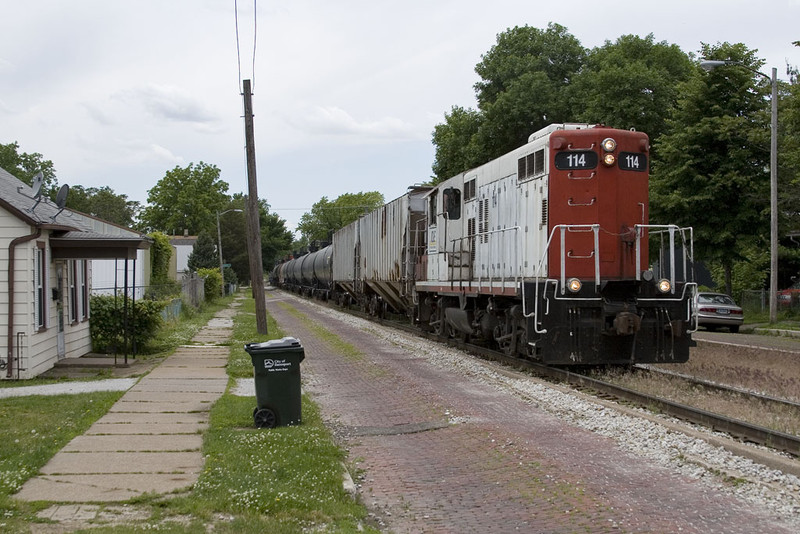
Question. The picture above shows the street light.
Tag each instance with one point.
(219, 248)
(710, 65)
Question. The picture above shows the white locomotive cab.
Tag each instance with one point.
(499, 235)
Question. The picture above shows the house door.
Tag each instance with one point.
(60, 309)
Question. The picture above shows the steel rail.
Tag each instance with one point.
(738, 429)
(718, 387)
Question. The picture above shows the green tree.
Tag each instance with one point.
(631, 83)
(276, 239)
(789, 177)
(455, 140)
(103, 203)
(327, 216)
(25, 166)
(711, 173)
(524, 78)
(204, 254)
(186, 199)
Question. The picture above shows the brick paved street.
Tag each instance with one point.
(446, 452)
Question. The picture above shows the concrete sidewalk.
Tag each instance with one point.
(150, 440)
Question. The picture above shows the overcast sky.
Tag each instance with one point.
(346, 92)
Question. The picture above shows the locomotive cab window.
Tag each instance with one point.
(432, 208)
(451, 198)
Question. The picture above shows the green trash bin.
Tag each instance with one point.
(276, 369)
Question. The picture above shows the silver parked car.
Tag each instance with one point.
(716, 310)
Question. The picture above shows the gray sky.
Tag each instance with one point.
(346, 92)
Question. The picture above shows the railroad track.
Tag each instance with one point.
(738, 429)
(718, 387)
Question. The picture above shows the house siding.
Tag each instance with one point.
(37, 350)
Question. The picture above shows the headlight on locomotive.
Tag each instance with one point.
(609, 160)
(609, 145)
(664, 286)
(574, 285)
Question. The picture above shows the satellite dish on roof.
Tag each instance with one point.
(38, 180)
(61, 197)
(61, 200)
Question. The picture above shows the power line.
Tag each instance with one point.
(255, 42)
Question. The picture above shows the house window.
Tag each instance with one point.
(39, 296)
(73, 291)
(84, 287)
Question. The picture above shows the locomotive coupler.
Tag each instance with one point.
(627, 323)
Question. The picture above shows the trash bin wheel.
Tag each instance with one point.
(265, 418)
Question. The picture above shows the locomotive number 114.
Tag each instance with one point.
(633, 161)
(579, 159)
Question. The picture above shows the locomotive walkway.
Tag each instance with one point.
(447, 452)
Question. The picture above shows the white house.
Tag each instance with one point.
(182, 248)
(46, 258)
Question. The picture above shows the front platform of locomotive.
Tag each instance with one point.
(601, 297)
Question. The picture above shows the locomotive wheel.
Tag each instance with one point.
(435, 326)
(265, 418)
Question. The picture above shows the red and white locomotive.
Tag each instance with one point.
(544, 251)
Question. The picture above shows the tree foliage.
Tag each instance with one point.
(103, 203)
(186, 199)
(327, 216)
(524, 78)
(276, 239)
(630, 83)
(712, 171)
(455, 141)
(25, 166)
(204, 253)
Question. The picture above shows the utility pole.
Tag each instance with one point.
(251, 211)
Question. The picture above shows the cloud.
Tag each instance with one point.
(97, 114)
(6, 65)
(171, 103)
(334, 121)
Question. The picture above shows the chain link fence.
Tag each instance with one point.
(758, 301)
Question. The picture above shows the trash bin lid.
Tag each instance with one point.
(273, 344)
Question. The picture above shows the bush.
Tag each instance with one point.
(107, 323)
(212, 284)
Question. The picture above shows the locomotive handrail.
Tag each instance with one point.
(595, 229)
(671, 229)
(590, 203)
(477, 236)
(570, 146)
(571, 177)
